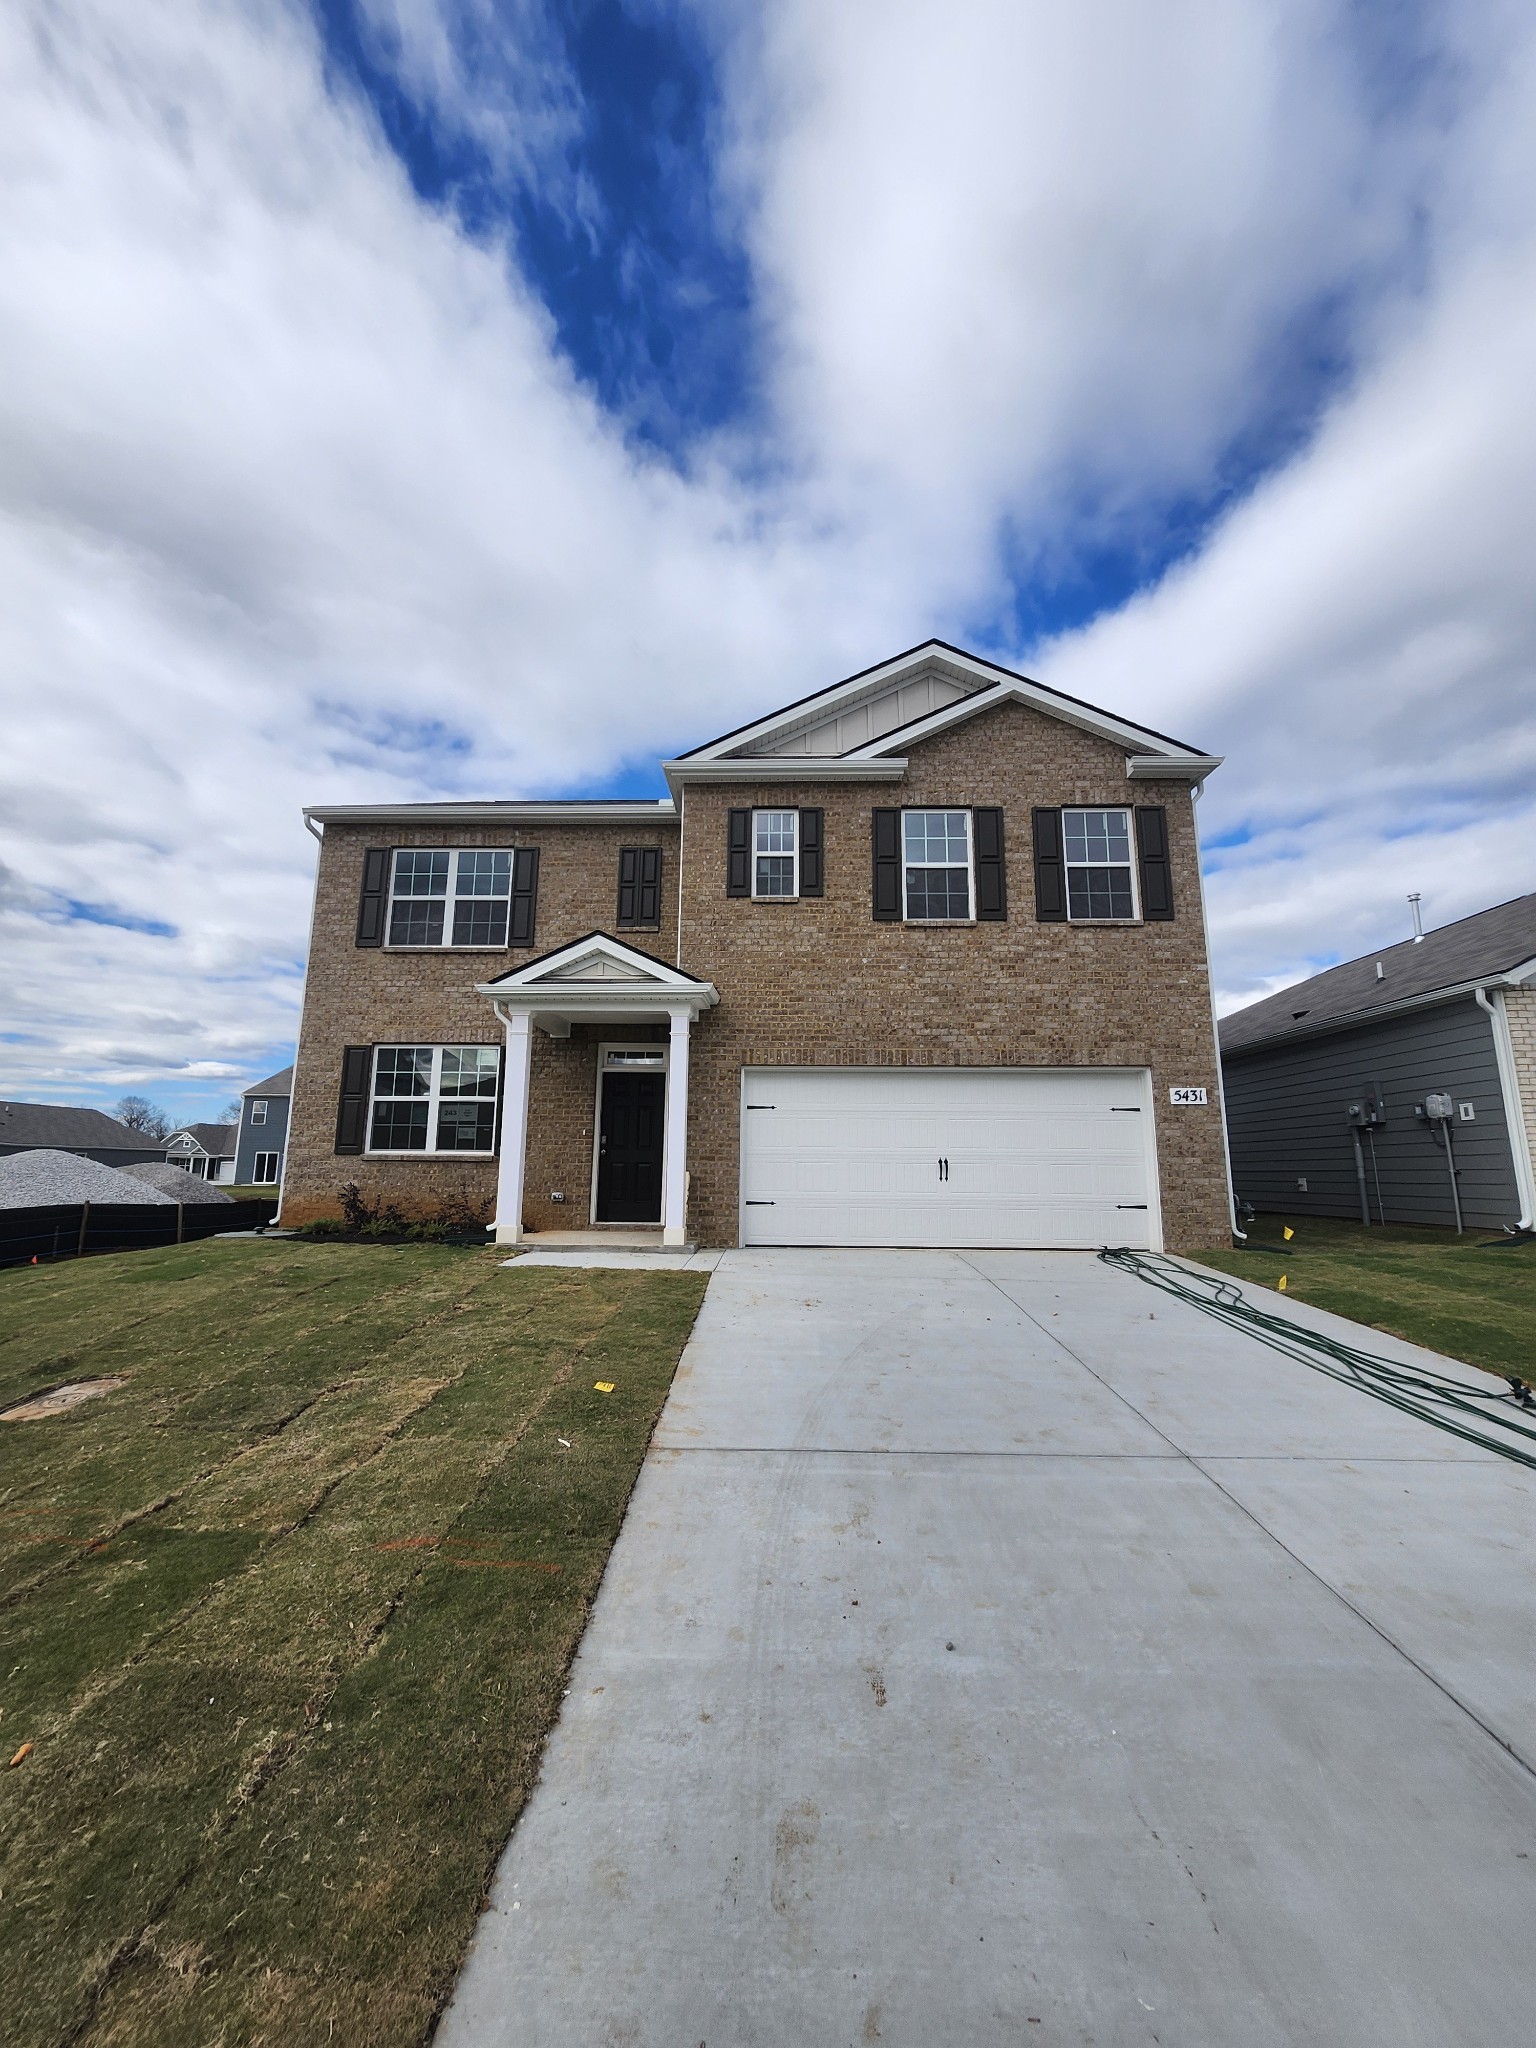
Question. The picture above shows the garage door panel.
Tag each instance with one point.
(1033, 1156)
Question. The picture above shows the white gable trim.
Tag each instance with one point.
(1101, 723)
(638, 971)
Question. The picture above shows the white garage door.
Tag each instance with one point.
(1048, 1156)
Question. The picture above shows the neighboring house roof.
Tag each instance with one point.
(1490, 946)
(275, 1084)
(217, 1140)
(64, 1129)
(857, 729)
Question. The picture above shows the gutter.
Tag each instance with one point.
(1514, 1115)
(616, 812)
(782, 768)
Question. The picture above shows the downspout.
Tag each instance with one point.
(1210, 986)
(318, 833)
(1509, 1088)
(682, 825)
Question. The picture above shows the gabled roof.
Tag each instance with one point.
(859, 728)
(1491, 946)
(217, 1140)
(598, 976)
(275, 1084)
(58, 1126)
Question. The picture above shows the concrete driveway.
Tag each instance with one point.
(998, 1652)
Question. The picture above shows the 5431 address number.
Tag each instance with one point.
(1183, 1095)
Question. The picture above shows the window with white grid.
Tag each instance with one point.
(434, 1098)
(936, 864)
(775, 853)
(440, 897)
(1096, 849)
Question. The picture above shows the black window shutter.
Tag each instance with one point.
(373, 906)
(738, 853)
(525, 890)
(886, 844)
(810, 853)
(991, 869)
(352, 1113)
(650, 886)
(1050, 870)
(1156, 868)
(629, 885)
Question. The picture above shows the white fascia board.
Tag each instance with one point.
(1103, 724)
(544, 973)
(784, 768)
(1516, 977)
(1172, 767)
(1354, 1020)
(601, 999)
(660, 811)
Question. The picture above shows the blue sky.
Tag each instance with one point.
(484, 397)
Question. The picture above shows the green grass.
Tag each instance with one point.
(287, 1618)
(1450, 1293)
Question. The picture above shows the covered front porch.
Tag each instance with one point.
(624, 1019)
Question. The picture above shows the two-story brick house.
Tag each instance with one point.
(919, 960)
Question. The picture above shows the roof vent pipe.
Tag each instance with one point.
(1418, 919)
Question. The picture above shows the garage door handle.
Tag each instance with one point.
(761, 1205)
(1130, 1205)
(943, 1169)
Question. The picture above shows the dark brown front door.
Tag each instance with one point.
(629, 1149)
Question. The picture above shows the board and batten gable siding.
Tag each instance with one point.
(1287, 1121)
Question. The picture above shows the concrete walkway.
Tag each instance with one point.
(998, 1652)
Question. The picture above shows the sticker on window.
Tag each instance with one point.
(1186, 1095)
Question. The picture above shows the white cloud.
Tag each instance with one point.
(301, 502)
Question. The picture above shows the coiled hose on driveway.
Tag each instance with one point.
(1452, 1405)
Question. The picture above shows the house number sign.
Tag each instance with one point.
(1186, 1095)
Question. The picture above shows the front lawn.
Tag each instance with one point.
(285, 1619)
(1461, 1296)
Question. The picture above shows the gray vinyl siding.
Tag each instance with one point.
(272, 1136)
(1286, 1119)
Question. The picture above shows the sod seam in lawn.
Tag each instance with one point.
(285, 1718)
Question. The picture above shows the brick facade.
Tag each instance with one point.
(1520, 1008)
(803, 983)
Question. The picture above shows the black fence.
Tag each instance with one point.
(67, 1230)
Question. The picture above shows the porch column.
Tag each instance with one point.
(514, 1126)
(675, 1196)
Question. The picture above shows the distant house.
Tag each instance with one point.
(205, 1150)
(1363, 1091)
(263, 1132)
(88, 1133)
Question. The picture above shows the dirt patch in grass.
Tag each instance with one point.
(287, 1619)
(1462, 1296)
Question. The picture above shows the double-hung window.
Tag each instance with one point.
(1096, 850)
(936, 865)
(433, 1098)
(775, 853)
(258, 1112)
(443, 898)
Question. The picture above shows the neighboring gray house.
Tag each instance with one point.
(89, 1133)
(206, 1150)
(1358, 1092)
(263, 1131)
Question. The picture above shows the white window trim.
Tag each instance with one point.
(777, 811)
(659, 1049)
(448, 901)
(259, 1112)
(1135, 865)
(433, 1097)
(965, 810)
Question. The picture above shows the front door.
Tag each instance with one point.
(629, 1148)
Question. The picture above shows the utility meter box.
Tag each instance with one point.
(1439, 1107)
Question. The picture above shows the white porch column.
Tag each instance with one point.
(514, 1126)
(675, 1194)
